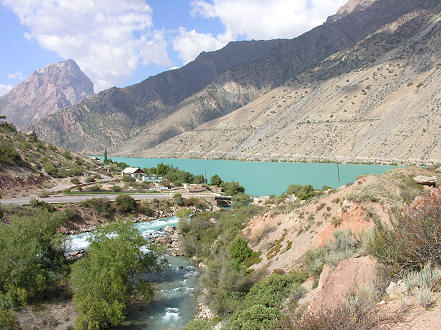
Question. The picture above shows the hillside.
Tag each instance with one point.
(45, 92)
(29, 165)
(213, 85)
(378, 101)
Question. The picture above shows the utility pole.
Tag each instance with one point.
(338, 175)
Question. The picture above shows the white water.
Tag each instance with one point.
(175, 303)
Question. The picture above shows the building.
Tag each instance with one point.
(134, 172)
(140, 175)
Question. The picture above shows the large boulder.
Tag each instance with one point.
(335, 284)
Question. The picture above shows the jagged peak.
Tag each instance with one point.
(349, 7)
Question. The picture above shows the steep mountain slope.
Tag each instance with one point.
(179, 100)
(114, 114)
(377, 101)
(45, 92)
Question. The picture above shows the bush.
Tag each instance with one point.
(128, 178)
(101, 205)
(115, 188)
(177, 199)
(261, 306)
(145, 209)
(26, 254)
(125, 204)
(301, 192)
(232, 188)
(9, 156)
(240, 200)
(256, 317)
(43, 193)
(35, 203)
(216, 180)
(239, 250)
(342, 246)
(93, 188)
(75, 181)
(90, 179)
(67, 155)
(105, 280)
(413, 240)
(7, 319)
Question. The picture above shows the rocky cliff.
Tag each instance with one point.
(45, 92)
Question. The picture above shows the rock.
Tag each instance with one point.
(335, 284)
(425, 180)
(396, 290)
(170, 229)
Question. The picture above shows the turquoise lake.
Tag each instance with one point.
(264, 178)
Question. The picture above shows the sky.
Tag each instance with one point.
(122, 42)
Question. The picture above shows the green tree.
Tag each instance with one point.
(216, 180)
(232, 188)
(27, 253)
(106, 279)
(105, 157)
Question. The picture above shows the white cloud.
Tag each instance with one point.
(108, 39)
(4, 89)
(16, 75)
(190, 44)
(267, 19)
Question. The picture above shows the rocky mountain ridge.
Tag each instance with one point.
(375, 102)
(45, 92)
(139, 117)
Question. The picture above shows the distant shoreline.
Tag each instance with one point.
(304, 159)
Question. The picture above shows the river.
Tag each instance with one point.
(265, 178)
(174, 304)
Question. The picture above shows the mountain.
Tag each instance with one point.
(45, 92)
(164, 110)
(378, 101)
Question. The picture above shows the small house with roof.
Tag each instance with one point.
(134, 172)
(140, 175)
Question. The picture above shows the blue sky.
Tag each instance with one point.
(127, 42)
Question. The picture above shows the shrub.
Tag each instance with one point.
(105, 280)
(125, 204)
(413, 240)
(26, 255)
(342, 246)
(9, 156)
(301, 192)
(183, 213)
(240, 200)
(116, 188)
(67, 155)
(178, 200)
(128, 178)
(90, 179)
(93, 188)
(239, 249)
(7, 319)
(256, 317)
(145, 209)
(100, 205)
(216, 180)
(35, 203)
(43, 193)
(232, 188)
(75, 181)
